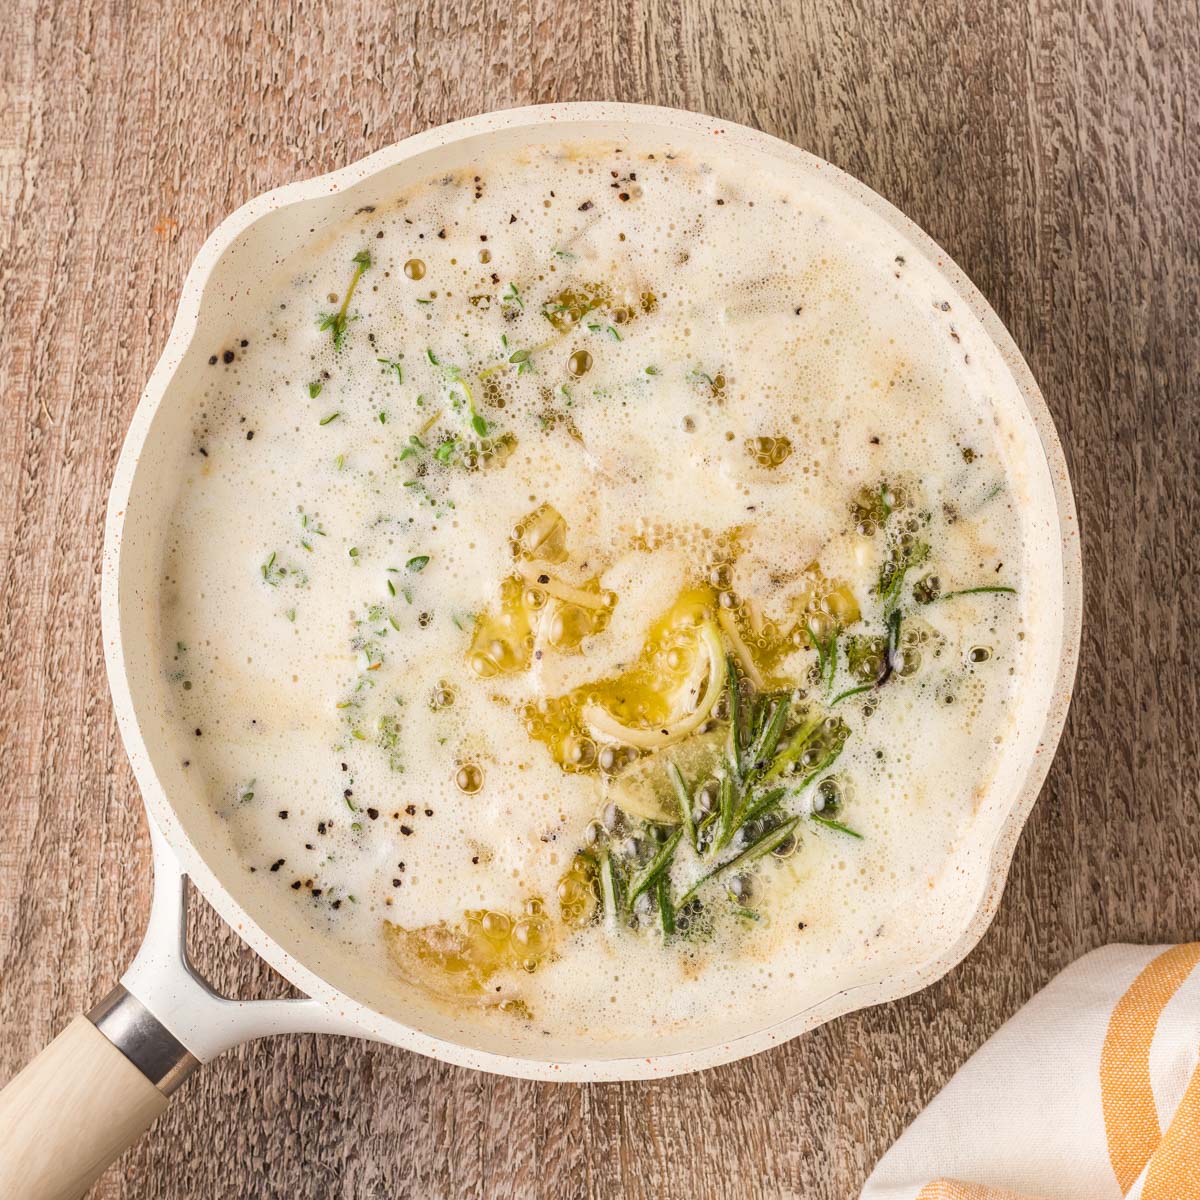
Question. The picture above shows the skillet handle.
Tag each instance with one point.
(82, 1101)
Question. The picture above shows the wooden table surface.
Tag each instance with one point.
(1050, 146)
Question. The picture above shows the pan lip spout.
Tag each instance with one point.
(177, 852)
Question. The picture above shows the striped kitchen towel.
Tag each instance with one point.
(1091, 1092)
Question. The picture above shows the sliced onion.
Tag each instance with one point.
(565, 591)
(740, 649)
(602, 724)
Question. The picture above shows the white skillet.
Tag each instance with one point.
(103, 1080)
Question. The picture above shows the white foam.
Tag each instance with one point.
(821, 337)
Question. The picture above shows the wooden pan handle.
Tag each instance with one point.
(81, 1102)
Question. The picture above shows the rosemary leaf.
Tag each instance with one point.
(830, 823)
(653, 869)
(666, 909)
(752, 853)
(685, 803)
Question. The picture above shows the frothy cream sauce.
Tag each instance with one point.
(326, 566)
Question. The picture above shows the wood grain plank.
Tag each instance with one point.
(1050, 146)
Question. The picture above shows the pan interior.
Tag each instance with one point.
(246, 272)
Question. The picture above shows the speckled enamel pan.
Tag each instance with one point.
(110, 1072)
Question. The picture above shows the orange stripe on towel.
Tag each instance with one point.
(954, 1189)
(1175, 1167)
(1130, 1117)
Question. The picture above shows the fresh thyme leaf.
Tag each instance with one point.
(512, 296)
(392, 364)
(433, 358)
(418, 562)
(336, 322)
(314, 389)
(329, 417)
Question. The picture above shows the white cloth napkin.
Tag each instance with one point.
(1091, 1092)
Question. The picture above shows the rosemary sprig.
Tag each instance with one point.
(753, 852)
